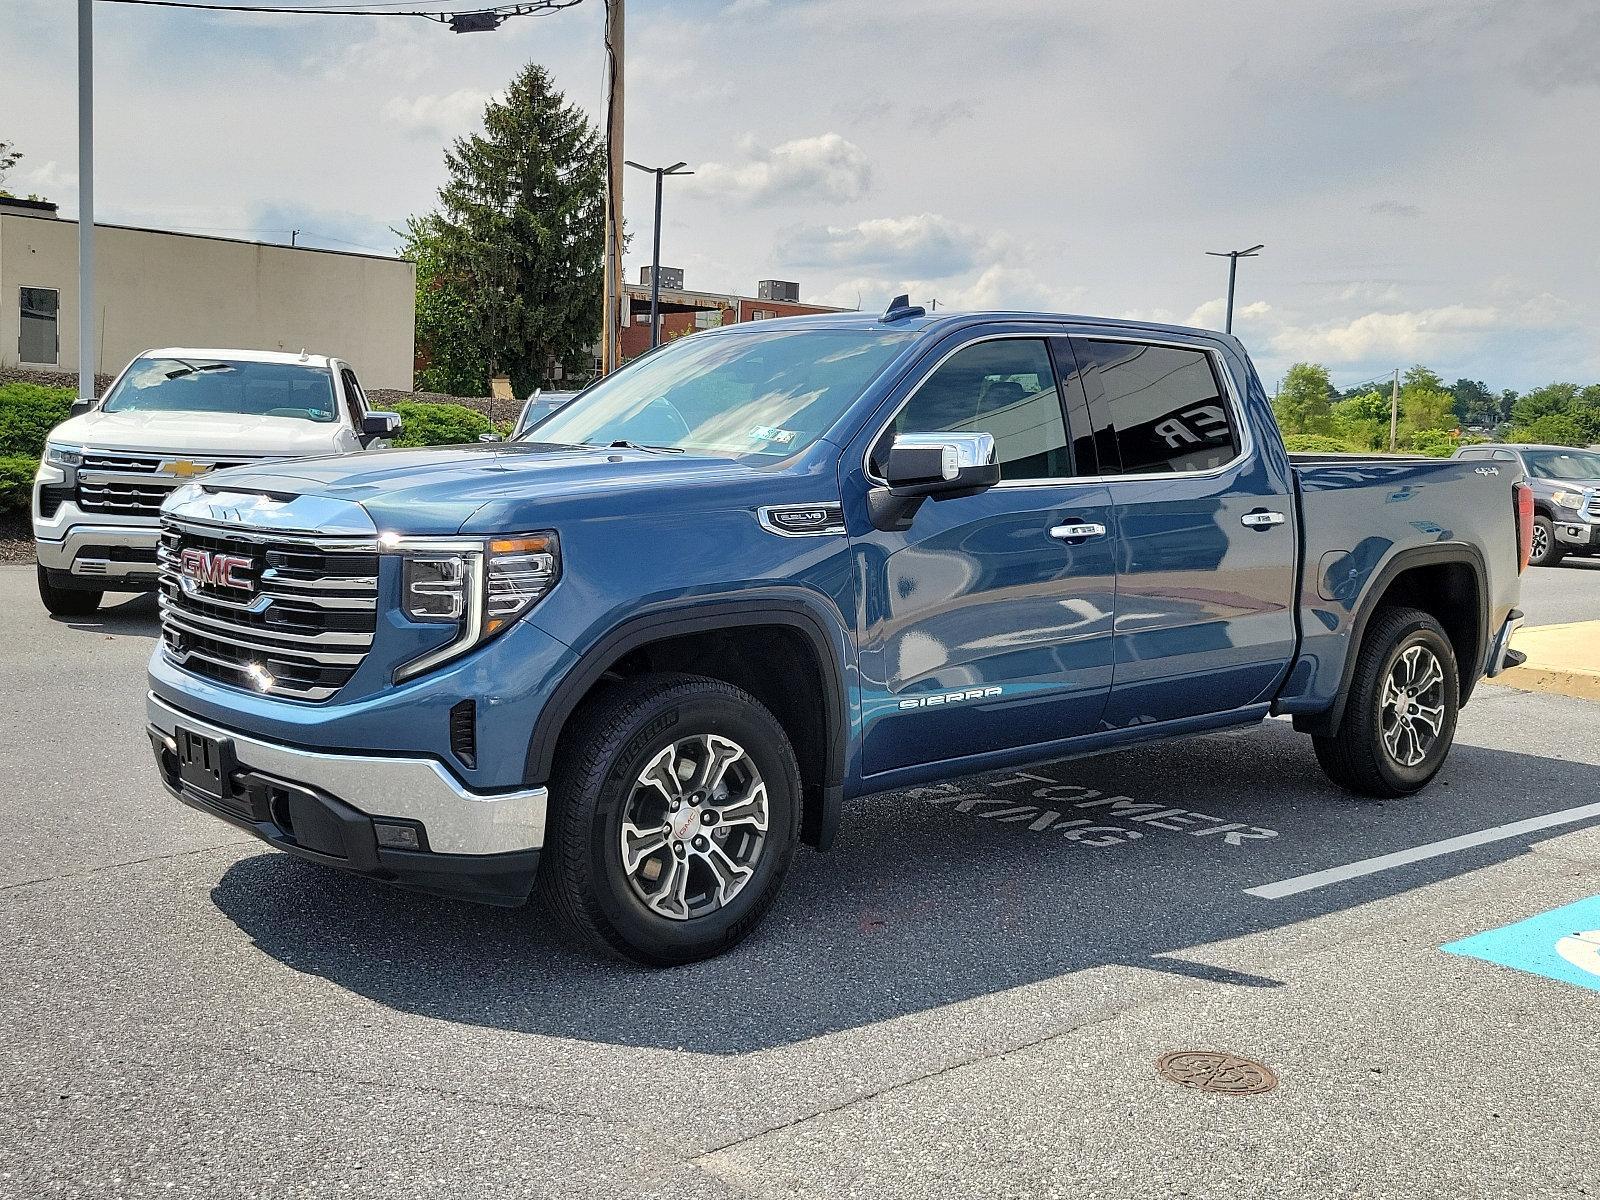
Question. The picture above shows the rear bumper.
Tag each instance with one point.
(333, 808)
(1501, 646)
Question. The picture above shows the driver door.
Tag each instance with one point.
(986, 626)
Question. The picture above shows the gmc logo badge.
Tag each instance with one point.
(203, 568)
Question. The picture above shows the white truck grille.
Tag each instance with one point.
(126, 484)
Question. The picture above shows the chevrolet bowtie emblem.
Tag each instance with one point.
(183, 468)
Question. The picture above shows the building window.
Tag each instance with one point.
(40, 342)
(763, 314)
(1165, 407)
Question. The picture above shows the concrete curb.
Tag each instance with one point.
(1564, 659)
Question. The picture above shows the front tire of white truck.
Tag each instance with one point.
(675, 813)
(1400, 717)
(61, 601)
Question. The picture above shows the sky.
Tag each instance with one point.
(1424, 173)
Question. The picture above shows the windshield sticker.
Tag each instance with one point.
(767, 433)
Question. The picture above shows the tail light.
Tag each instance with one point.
(1523, 495)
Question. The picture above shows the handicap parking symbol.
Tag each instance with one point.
(1563, 944)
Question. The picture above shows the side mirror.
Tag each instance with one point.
(937, 465)
(489, 437)
(380, 424)
(941, 464)
(79, 407)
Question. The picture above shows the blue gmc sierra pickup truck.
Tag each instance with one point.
(632, 659)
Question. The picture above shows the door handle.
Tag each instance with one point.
(1077, 532)
(1262, 519)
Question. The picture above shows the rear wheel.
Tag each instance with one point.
(676, 812)
(1545, 553)
(1400, 717)
(63, 600)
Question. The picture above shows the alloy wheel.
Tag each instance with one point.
(1541, 542)
(694, 827)
(1412, 706)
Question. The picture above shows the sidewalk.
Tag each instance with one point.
(1561, 658)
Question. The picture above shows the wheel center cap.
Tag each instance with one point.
(685, 824)
(1403, 706)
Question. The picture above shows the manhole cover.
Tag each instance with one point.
(1213, 1071)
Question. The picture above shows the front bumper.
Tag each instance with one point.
(331, 807)
(120, 555)
(1576, 534)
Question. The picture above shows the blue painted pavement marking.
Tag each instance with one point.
(1563, 944)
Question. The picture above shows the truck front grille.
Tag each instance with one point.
(290, 616)
(128, 484)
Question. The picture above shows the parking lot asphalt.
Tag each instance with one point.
(966, 997)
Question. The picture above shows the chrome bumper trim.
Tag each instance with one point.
(61, 554)
(458, 820)
(1502, 643)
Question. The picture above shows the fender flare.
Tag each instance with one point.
(1434, 554)
(785, 609)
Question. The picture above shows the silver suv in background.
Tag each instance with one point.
(171, 416)
(1566, 496)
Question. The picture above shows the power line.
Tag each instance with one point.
(367, 8)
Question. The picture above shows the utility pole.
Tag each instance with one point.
(1394, 409)
(1233, 257)
(611, 325)
(655, 252)
(86, 321)
(293, 234)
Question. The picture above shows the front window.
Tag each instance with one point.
(210, 385)
(1574, 465)
(766, 394)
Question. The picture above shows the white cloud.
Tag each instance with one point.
(924, 245)
(1410, 336)
(825, 168)
(445, 116)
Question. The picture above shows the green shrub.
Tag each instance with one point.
(438, 424)
(28, 412)
(16, 482)
(1437, 443)
(1317, 443)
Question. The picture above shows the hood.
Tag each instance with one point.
(493, 488)
(220, 434)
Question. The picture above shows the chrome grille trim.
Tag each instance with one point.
(307, 623)
(115, 481)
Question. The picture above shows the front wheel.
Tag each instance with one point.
(62, 601)
(1400, 716)
(675, 814)
(1545, 551)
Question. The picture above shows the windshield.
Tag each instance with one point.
(1562, 464)
(765, 394)
(210, 385)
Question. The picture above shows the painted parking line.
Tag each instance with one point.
(1401, 858)
(1563, 944)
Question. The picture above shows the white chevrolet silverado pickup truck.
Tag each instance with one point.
(173, 415)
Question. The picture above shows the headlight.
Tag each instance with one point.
(1569, 499)
(63, 456)
(479, 587)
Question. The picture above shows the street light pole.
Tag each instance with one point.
(611, 288)
(86, 321)
(655, 252)
(1233, 257)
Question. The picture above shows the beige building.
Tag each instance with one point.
(174, 289)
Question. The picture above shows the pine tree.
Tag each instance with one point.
(509, 267)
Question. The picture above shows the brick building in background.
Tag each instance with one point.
(683, 310)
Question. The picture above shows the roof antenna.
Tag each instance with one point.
(901, 308)
(303, 355)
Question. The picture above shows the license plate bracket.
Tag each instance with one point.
(205, 764)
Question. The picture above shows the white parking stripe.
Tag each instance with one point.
(1384, 862)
